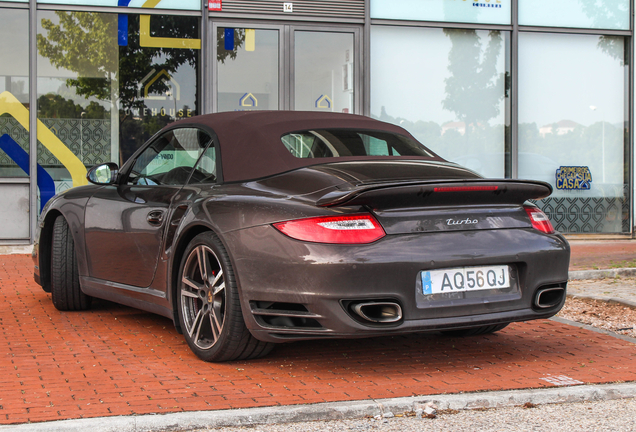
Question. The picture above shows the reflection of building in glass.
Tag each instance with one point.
(559, 128)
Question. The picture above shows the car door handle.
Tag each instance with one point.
(155, 217)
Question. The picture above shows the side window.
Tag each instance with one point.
(205, 171)
(169, 160)
(376, 147)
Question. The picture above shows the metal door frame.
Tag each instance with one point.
(286, 73)
(357, 60)
(213, 85)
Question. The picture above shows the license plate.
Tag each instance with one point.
(465, 279)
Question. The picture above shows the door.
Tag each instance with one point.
(125, 224)
(285, 67)
(247, 63)
(323, 70)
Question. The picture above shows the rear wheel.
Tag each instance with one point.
(209, 307)
(474, 331)
(65, 287)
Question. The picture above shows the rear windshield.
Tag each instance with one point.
(328, 143)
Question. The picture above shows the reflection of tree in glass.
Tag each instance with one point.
(221, 53)
(474, 88)
(83, 42)
(607, 14)
(55, 106)
(86, 43)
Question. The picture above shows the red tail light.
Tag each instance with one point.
(350, 229)
(539, 220)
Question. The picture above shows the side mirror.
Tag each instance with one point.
(104, 174)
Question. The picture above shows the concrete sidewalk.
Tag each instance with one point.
(604, 270)
(118, 361)
(602, 254)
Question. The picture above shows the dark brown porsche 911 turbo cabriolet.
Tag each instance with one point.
(251, 228)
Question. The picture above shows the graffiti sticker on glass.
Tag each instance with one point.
(573, 178)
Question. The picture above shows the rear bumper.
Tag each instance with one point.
(321, 280)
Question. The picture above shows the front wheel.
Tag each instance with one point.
(209, 307)
(475, 331)
(65, 287)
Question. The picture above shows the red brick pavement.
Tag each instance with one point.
(114, 360)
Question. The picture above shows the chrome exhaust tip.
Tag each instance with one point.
(379, 312)
(549, 297)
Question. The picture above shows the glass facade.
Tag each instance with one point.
(530, 89)
(15, 160)
(459, 11)
(14, 94)
(596, 14)
(448, 88)
(573, 124)
(323, 66)
(247, 69)
(104, 88)
(159, 4)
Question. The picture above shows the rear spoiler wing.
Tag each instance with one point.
(439, 193)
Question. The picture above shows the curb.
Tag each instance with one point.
(601, 274)
(594, 329)
(616, 300)
(16, 249)
(333, 410)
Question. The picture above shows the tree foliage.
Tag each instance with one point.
(86, 43)
(55, 106)
(82, 42)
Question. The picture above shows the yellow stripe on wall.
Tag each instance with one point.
(145, 40)
(9, 104)
(250, 39)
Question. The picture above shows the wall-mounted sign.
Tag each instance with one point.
(215, 5)
(288, 7)
(573, 178)
(248, 100)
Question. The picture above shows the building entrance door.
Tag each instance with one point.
(287, 67)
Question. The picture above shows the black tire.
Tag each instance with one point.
(65, 287)
(475, 331)
(209, 307)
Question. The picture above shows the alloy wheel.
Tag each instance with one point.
(203, 297)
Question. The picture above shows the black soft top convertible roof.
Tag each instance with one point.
(250, 141)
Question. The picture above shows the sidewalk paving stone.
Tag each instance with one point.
(114, 360)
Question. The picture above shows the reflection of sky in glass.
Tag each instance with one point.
(163, 4)
(434, 81)
(561, 76)
(572, 109)
(319, 61)
(252, 72)
(409, 68)
(607, 14)
(52, 79)
(482, 11)
(14, 48)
